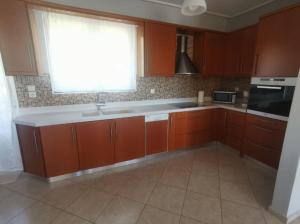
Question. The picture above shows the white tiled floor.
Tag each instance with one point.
(209, 185)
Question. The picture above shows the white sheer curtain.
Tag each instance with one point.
(9, 150)
(87, 54)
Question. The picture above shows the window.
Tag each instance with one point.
(85, 54)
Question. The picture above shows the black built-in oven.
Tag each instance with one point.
(271, 96)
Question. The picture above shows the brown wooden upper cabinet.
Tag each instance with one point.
(278, 45)
(240, 51)
(160, 49)
(16, 43)
(209, 53)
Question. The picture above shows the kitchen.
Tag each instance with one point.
(150, 111)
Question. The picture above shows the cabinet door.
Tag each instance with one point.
(222, 125)
(16, 42)
(95, 143)
(209, 53)
(32, 156)
(130, 138)
(156, 137)
(248, 50)
(232, 60)
(278, 45)
(60, 149)
(160, 49)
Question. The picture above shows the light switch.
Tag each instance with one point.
(152, 91)
(31, 88)
(32, 94)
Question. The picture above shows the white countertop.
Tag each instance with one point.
(46, 116)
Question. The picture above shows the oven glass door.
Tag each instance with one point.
(271, 99)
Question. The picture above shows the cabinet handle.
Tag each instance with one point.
(35, 141)
(225, 120)
(74, 139)
(111, 133)
(264, 129)
(255, 63)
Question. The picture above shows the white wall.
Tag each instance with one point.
(286, 199)
(147, 10)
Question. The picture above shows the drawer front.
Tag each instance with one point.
(235, 131)
(192, 139)
(266, 123)
(235, 143)
(269, 138)
(265, 155)
(236, 118)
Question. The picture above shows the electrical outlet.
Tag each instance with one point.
(236, 89)
(31, 88)
(32, 94)
(152, 91)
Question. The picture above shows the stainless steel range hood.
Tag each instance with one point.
(184, 65)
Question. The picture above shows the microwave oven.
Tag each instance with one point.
(224, 97)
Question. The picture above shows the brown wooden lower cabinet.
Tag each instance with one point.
(130, 138)
(32, 155)
(263, 139)
(188, 129)
(156, 137)
(96, 142)
(59, 147)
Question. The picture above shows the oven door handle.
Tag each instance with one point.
(269, 87)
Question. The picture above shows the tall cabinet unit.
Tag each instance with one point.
(278, 45)
(16, 43)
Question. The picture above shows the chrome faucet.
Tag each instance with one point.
(99, 104)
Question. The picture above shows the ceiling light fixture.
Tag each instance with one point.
(193, 7)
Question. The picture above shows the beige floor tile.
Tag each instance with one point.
(12, 205)
(31, 187)
(111, 183)
(120, 211)
(202, 208)
(4, 193)
(205, 168)
(229, 158)
(186, 220)
(87, 179)
(167, 198)
(175, 178)
(270, 218)
(234, 174)
(62, 194)
(236, 214)
(66, 218)
(152, 215)
(36, 214)
(261, 179)
(149, 172)
(90, 204)
(209, 186)
(137, 189)
(240, 193)
(209, 156)
(263, 195)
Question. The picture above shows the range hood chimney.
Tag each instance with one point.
(184, 65)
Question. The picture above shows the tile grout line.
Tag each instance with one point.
(220, 194)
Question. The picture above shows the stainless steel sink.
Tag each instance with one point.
(122, 111)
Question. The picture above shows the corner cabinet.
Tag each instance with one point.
(278, 45)
(160, 49)
(16, 43)
(240, 52)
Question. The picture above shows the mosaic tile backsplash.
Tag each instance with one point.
(165, 88)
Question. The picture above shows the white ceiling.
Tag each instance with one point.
(225, 8)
